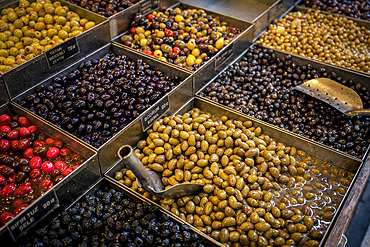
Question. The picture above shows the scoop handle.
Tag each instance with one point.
(129, 158)
(361, 112)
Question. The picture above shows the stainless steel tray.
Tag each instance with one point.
(300, 61)
(311, 148)
(177, 97)
(303, 9)
(66, 190)
(3, 94)
(31, 72)
(220, 60)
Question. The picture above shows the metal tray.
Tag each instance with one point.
(31, 72)
(303, 9)
(220, 60)
(66, 190)
(314, 149)
(176, 98)
(133, 196)
(300, 61)
(3, 94)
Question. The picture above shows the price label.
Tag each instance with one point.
(61, 52)
(226, 54)
(149, 5)
(33, 214)
(156, 112)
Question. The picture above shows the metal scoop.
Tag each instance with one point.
(341, 97)
(151, 181)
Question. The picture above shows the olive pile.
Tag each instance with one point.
(357, 9)
(260, 85)
(109, 218)
(30, 29)
(328, 38)
(106, 8)
(257, 191)
(186, 37)
(100, 97)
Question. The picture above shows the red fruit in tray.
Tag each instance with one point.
(4, 145)
(75, 167)
(22, 191)
(2, 180)
(11, 135)
(35, 173)
(150, 17)
(8, 189)
(58, 144)
(17, 202)
(49, 141)
(47, 167)
(24, 132)
(28, 153)
(45, 185)
(5, 129)
(20, 208)
(24, 144)
(148, 52)
(35, 162)
(33, 128)
(6, 217)
(11, 179)
(23, 121)
(133, 30)
(14, 145)
(52, 153)
(5, 119)
(168, 32)
(60, 165)
(67, 171)
(65, 151)
(38, 144)
(176, 50)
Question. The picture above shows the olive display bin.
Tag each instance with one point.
(64, 192)
(300, 61)
(361, 169)
(24, 76)
(364, 23)
(220, 60)
(176, 98)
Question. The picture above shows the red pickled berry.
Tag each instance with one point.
(148, 52)
(60, 165)
(4, 145)
(6, 217)
(20, 208)
(168, 32)
(5, 119)
(26, 183)
(2, 180)
(2, 166)
(24, 144)
(8, 189)
(23, 121)
(33, 128)
(58, 144)
(49, 141)
(52, 153)
(28, 153)
(11, 135)
(38, 144)
(35, 162)
(47, 167)
(176, 50)
(35, 173)
(5, 129)
(17, 202)
(22, 191)
(45, 185)
(150, 17)
(133, 30)
(201, 39)
(14, 145)
(65, 151)
(11, 179)
(67, 171)
(75, 167)
(24, 132)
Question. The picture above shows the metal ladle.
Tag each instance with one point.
(335, 94)
(151, 181)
